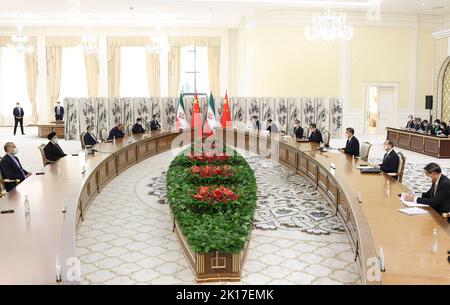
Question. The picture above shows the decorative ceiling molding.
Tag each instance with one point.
(442, 34)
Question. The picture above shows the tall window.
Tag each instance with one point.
(133, 72)
(73, 74)
(194, 70)
(13, 84)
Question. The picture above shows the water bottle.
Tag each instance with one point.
(353, 160)
(114, 140)
(434, 242)
(26, 204)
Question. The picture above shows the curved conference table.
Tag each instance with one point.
(31, 247)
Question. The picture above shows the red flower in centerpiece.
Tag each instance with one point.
(209, 171)
(208, 159)
(210, 195)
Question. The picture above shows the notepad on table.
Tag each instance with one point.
(413, 204)
(364, 166)
(413, 211)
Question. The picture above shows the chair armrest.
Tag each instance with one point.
(17, 181)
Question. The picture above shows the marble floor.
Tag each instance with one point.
(126, 237)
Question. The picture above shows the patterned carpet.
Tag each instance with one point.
(127, 237)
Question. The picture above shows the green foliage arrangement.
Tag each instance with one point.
(222, 222)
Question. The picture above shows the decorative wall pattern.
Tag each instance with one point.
(446, 95)
(440, 54)
(107, 112)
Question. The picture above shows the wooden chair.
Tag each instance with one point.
(103, 134)
(305, 132)
(401, 166)
(45, 161)
(130, 130)
(83, 144)
(326, 137)
(364, 151)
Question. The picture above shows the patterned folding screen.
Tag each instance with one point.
(108, 112)
(281, 113)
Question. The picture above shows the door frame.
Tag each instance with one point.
(394, 109)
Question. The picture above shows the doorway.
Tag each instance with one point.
(380, 109)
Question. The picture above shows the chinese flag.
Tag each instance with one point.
(226, 115)
(197, 123)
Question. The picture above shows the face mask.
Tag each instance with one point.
(55, 141)
(385, 148)
(15, 151)
(139, 123)
(91, 131)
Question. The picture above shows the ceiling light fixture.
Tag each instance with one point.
(329, 26)
(20, 42)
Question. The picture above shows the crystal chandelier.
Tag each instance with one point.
(89, 43)
(329, 26)
(20, 42)
(157, 46)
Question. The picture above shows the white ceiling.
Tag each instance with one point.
(187, 12)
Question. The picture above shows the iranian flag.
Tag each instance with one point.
(197, 123)
(210, 117)
(226, 115)
(181, 115)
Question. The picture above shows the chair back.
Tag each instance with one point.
(364, 151)
(130, 130)
(401, 166)
(44, 159)
(305, 132)
(103, 133)
(83, 144)
(326, 137)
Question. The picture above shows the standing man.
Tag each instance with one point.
(352, 145)
(18, 117)
(59, 112)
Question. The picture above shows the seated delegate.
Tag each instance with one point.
(11, 168)
(52, 150)
(116, 132)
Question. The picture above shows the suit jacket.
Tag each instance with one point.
(298, 131)
(257, 125)
(390, 162)
(440, 201)
(18, 112)
(89, 139)
(316, 136)
(352, 147)
(410, 124)
(10, 170)
(448, 130)
(115, 133)
(61, 110)
(272, 128)
(137, 129)
(154, 125)
(53, 152)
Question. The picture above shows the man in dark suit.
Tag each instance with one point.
(298, 130)
(53, 152)
(11, 168)
(137, 128)
(410, 123)
(391, 159)
(90, 138)
(271, 127)
(18, 117)
(59, 112)
(352, 145)
(436, 127)
(314, 134)
(255, 122)
(426, 126)
(154, 124)
(438, 196)
(448, 128)
(116, 132)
